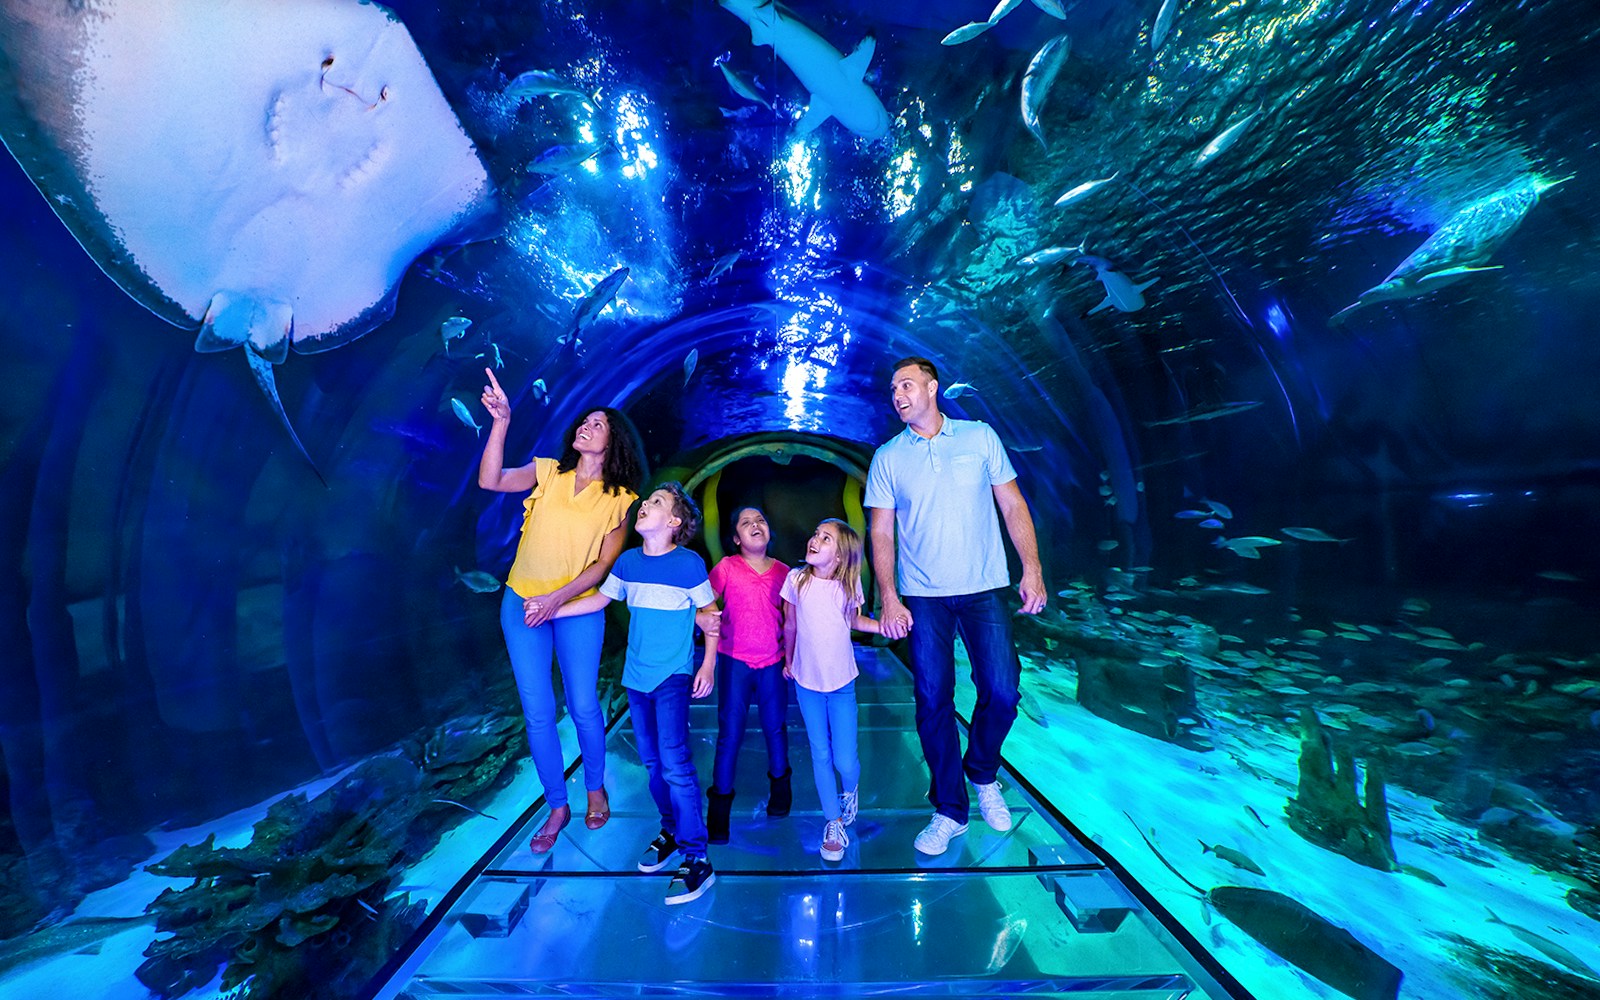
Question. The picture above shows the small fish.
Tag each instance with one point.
(464, 415)
(1037, 80)
(1423, 874)
(1550, 949)
(959, 389)
(463, 805)
(689, 361)
(453, 328)
(966, 33)
(1158, 34)
(1559, 577)
(541, 83)
(1050, 255)
(539, 391)
(368, 907)
(1437, 633)
(1312, 535)
(744, 88)
(1256, 816)
(1107, 545)
(1236, 858)
(1426, 718)
(1449, 644)
(1083, 189)
(559, 159)
(477, 581)
(1229, 136)
(1219, 508)
(499, 362)
(1191, 515)
(1212, 523)
(1055, 8)
(723, 265)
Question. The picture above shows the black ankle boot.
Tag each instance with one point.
(782, 795)
(717, 816)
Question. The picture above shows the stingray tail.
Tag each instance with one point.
(1162, 859)
(261, 368)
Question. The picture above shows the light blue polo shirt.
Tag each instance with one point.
(662, 593)
(942, 492)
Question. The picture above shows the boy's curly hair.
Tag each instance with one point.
(685, 510)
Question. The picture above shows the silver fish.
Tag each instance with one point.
(958, 389)
(453, 328)
(689, 361)
(594, 303)
(464, 415)
(1036, 82)
(739, 85)
(1158, 34)
(541, 83)
(1312, 535)
(1083, 189)
(1228, 137)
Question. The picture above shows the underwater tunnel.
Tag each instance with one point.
(1280, 312)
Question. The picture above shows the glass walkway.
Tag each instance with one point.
(1032, 911)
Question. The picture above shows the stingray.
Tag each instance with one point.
(1295, 932)
(260, 173)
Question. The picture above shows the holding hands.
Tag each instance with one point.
(894, 619)
(539, 609)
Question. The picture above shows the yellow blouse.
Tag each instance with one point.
(562, 532)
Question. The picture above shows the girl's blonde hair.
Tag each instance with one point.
(848, 569)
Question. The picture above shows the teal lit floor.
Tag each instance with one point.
(1030, 911)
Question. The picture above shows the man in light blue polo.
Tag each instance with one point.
(946, 484)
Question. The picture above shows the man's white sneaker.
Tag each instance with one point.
(834, 841)
(993, 806)
(935, 837)
(849, 802)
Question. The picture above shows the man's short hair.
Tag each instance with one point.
(923, 363)
(685, 510)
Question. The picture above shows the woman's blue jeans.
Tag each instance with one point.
(576, 642)
(661, 733)
(984, 623)
(736, 682)
(831, 727)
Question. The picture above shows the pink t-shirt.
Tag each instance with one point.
(752, 614)
(824, 660)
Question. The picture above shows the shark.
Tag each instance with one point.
(835, 82)
(1121, 292)
(1462, 246)
(260, 175)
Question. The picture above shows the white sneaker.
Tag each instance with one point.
(834, 841)
(849, 802)
(993, 806)
(935, 837)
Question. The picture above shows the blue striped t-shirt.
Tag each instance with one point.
(662, 593)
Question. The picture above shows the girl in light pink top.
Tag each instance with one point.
(749, 663)
(822, 603)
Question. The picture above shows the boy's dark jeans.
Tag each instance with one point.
(661, 730)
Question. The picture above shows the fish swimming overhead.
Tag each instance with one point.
(593, 304)
(1227, 137)
(1462, 246)
(744, 88)
(267, 187)
(1083, 189)
(834, 81)
(1158, 34)
(541, 83)
(958, 389)
(1121, 292)
(1050, 255)
(1037, 80)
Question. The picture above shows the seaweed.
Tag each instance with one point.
(305, 902)
(1326, 808)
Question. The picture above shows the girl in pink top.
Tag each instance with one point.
(749, 655)
(822, 603)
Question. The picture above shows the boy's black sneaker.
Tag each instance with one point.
(659, 854)
(693, 879)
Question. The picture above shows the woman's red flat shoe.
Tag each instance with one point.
(545, 839)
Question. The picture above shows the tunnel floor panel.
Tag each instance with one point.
(1028, 911)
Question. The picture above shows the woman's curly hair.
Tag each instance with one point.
(623, 468)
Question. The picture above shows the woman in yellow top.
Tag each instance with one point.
(574, 524)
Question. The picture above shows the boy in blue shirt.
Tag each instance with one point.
(663, 585)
